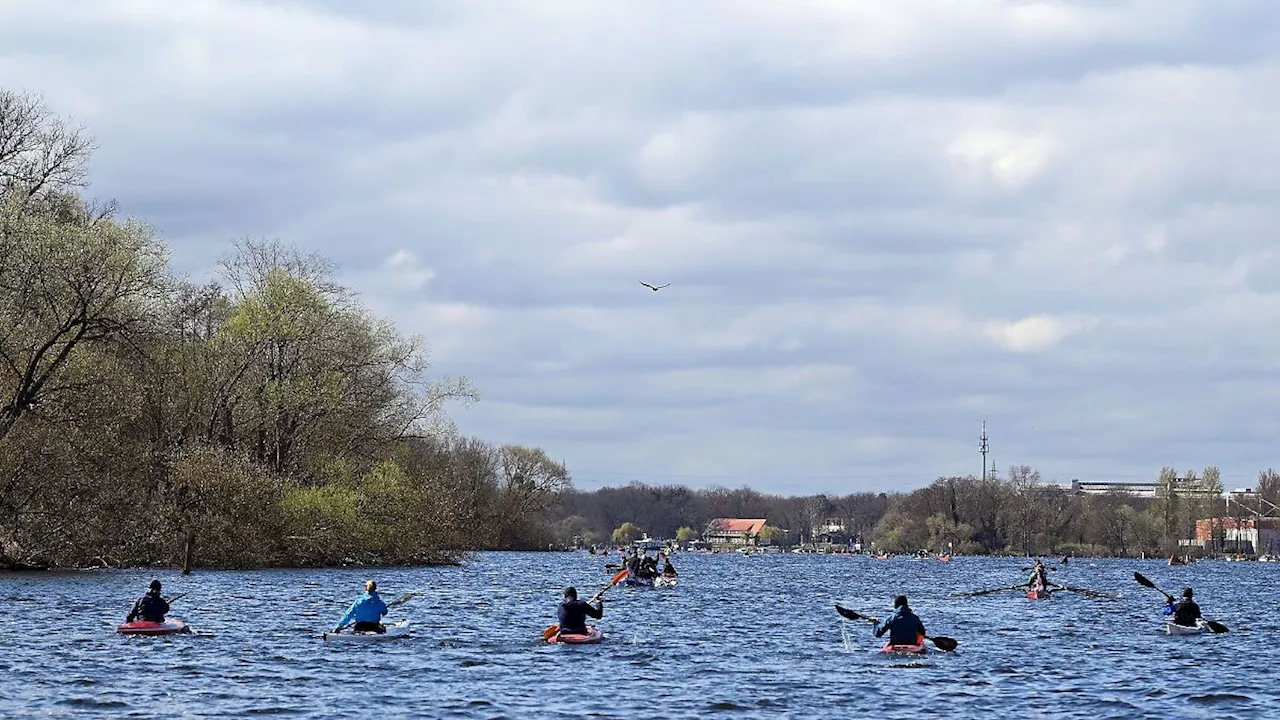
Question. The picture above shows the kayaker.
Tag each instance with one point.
(648, 567)
(366, 611)
(573, 613)
(150, 607)
(1186, 611)
(903, 626)
(1039, 577)
(668, 570)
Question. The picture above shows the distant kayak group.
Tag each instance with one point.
(1184, 613)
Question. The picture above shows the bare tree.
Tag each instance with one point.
(39, 152)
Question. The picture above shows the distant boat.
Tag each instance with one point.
(648, 543)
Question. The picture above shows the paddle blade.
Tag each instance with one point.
(551, 631)
(847, 613)
(1142, 580)
(853, 615)
(1216, 626)
(622, 575)
(944, 644)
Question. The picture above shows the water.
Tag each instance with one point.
(741, 636)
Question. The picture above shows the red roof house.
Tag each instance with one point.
(733, 531)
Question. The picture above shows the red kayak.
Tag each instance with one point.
(143, 627)
(917, 649)
(593, 635)
(1039, 594)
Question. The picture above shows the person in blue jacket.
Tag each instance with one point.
(903, 626)
(573, 613)
(1186, 611)
(150, 607)
(366, 611)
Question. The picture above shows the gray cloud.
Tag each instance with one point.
(883, 222)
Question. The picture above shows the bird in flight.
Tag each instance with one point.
(655, 289)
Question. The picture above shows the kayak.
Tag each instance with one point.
(594, 635)
(143, 627)
(1176, 629)
(633, 581)
(917, 649)
(1039, 594)
(665, 581)
(394, 631)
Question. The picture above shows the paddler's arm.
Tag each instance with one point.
(596, 611)
(135, 611)
(346, 618)
(880, 630)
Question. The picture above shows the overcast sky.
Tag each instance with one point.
(883, 221)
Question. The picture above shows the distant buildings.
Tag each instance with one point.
(1148, 490)
(1107, 487)
(736, 532)
(1251, 536)
(830, 532)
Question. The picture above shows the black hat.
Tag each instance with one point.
(155, 585)
(1186, 592)
(900, 601)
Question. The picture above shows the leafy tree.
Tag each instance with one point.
(626, 533)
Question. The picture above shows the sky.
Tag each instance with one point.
(882, 222)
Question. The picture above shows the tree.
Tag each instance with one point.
(686, 534)
(40, 153)
(68, 279)
(1168, 503)
(626, 533)
(770, 534)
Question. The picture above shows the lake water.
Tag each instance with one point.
(740, 637)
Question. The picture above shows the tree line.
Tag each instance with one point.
(1016, 514)
(264, 418)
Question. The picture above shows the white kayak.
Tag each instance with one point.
(394, 631)
(662, 581)
(1175, 629)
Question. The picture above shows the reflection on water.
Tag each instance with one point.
(746, 636)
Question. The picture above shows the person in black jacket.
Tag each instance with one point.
(1185, 612)
(150, 607)
(573, 613)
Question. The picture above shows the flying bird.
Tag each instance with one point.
(655, 289)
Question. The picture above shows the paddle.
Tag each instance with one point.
(555, 627)
(943, 643)
(1019, 586)
(1215, 626)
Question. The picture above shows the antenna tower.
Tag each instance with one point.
(983, 448)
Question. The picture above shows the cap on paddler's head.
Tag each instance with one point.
(1186, 592)
(900, 601)
(155, 585)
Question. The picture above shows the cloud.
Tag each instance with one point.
(1034, 333)
(882, 222)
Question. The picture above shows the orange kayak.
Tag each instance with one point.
(593, 635)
